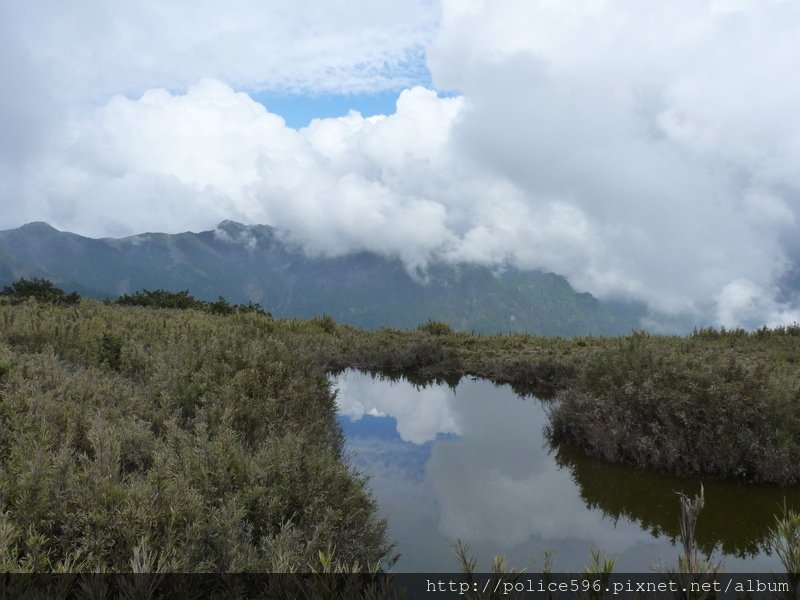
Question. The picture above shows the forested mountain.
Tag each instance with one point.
(252, 264)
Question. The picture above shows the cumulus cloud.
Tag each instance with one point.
(646, 152)
(174, 162)
(421, 414)
(666, 129)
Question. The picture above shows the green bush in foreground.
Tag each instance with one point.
(132, 439)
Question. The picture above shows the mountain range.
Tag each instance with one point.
(252, 263)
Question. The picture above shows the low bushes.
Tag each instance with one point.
(183, 300)
(196, 442)
(209, 441)
(705, 410)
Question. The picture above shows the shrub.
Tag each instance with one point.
(160, 299)
(436, 328)
(184, 300)
(707, 412)
(220, 307)
(325, 322)
(174, 441)
(41, 290)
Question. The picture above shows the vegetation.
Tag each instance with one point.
(785, 543)
(719, 403)
(37, 289)
(694, 570)
(183, 300)
(696, 576)
(194, 439)
(170, 441)
(436, 328)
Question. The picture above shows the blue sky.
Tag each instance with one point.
(299, 109)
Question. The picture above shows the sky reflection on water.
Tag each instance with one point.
(471, 463)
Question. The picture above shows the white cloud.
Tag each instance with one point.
(94, 49)
(421, 414)
(644, 151)
(175, 162)
(497, 483)
(666, 129)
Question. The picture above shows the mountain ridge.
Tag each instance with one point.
(251, 263)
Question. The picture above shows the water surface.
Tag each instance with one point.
(470, 462)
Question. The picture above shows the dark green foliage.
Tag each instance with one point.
(40, 290)
(220, 307)
(160, 299)
(183, 300)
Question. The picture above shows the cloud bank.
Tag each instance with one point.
(645, 152)
(667, 129)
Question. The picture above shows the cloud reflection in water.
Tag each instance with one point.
(471, 463)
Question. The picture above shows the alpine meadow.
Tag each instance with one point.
(376, 299)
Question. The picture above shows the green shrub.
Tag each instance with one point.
(177, 442)
(435, 328)
(40, 290)
(325, 322)
(160, 299)
(220, 307)
(707, 412)
(184, 300)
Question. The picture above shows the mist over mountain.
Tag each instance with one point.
(523, 134)
(253, 264)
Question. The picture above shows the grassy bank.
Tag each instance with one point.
(189, 440)
(138, 439)
(718, 404)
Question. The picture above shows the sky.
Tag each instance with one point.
(646, 151)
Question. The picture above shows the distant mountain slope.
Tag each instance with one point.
(250, 263)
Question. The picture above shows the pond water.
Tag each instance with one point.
(471, 463)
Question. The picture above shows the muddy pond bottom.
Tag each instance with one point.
(472, 463)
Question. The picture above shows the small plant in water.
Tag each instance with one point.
(600, 568)
(599, 572)
(467, 565)
(694, 571)
(785, 543)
